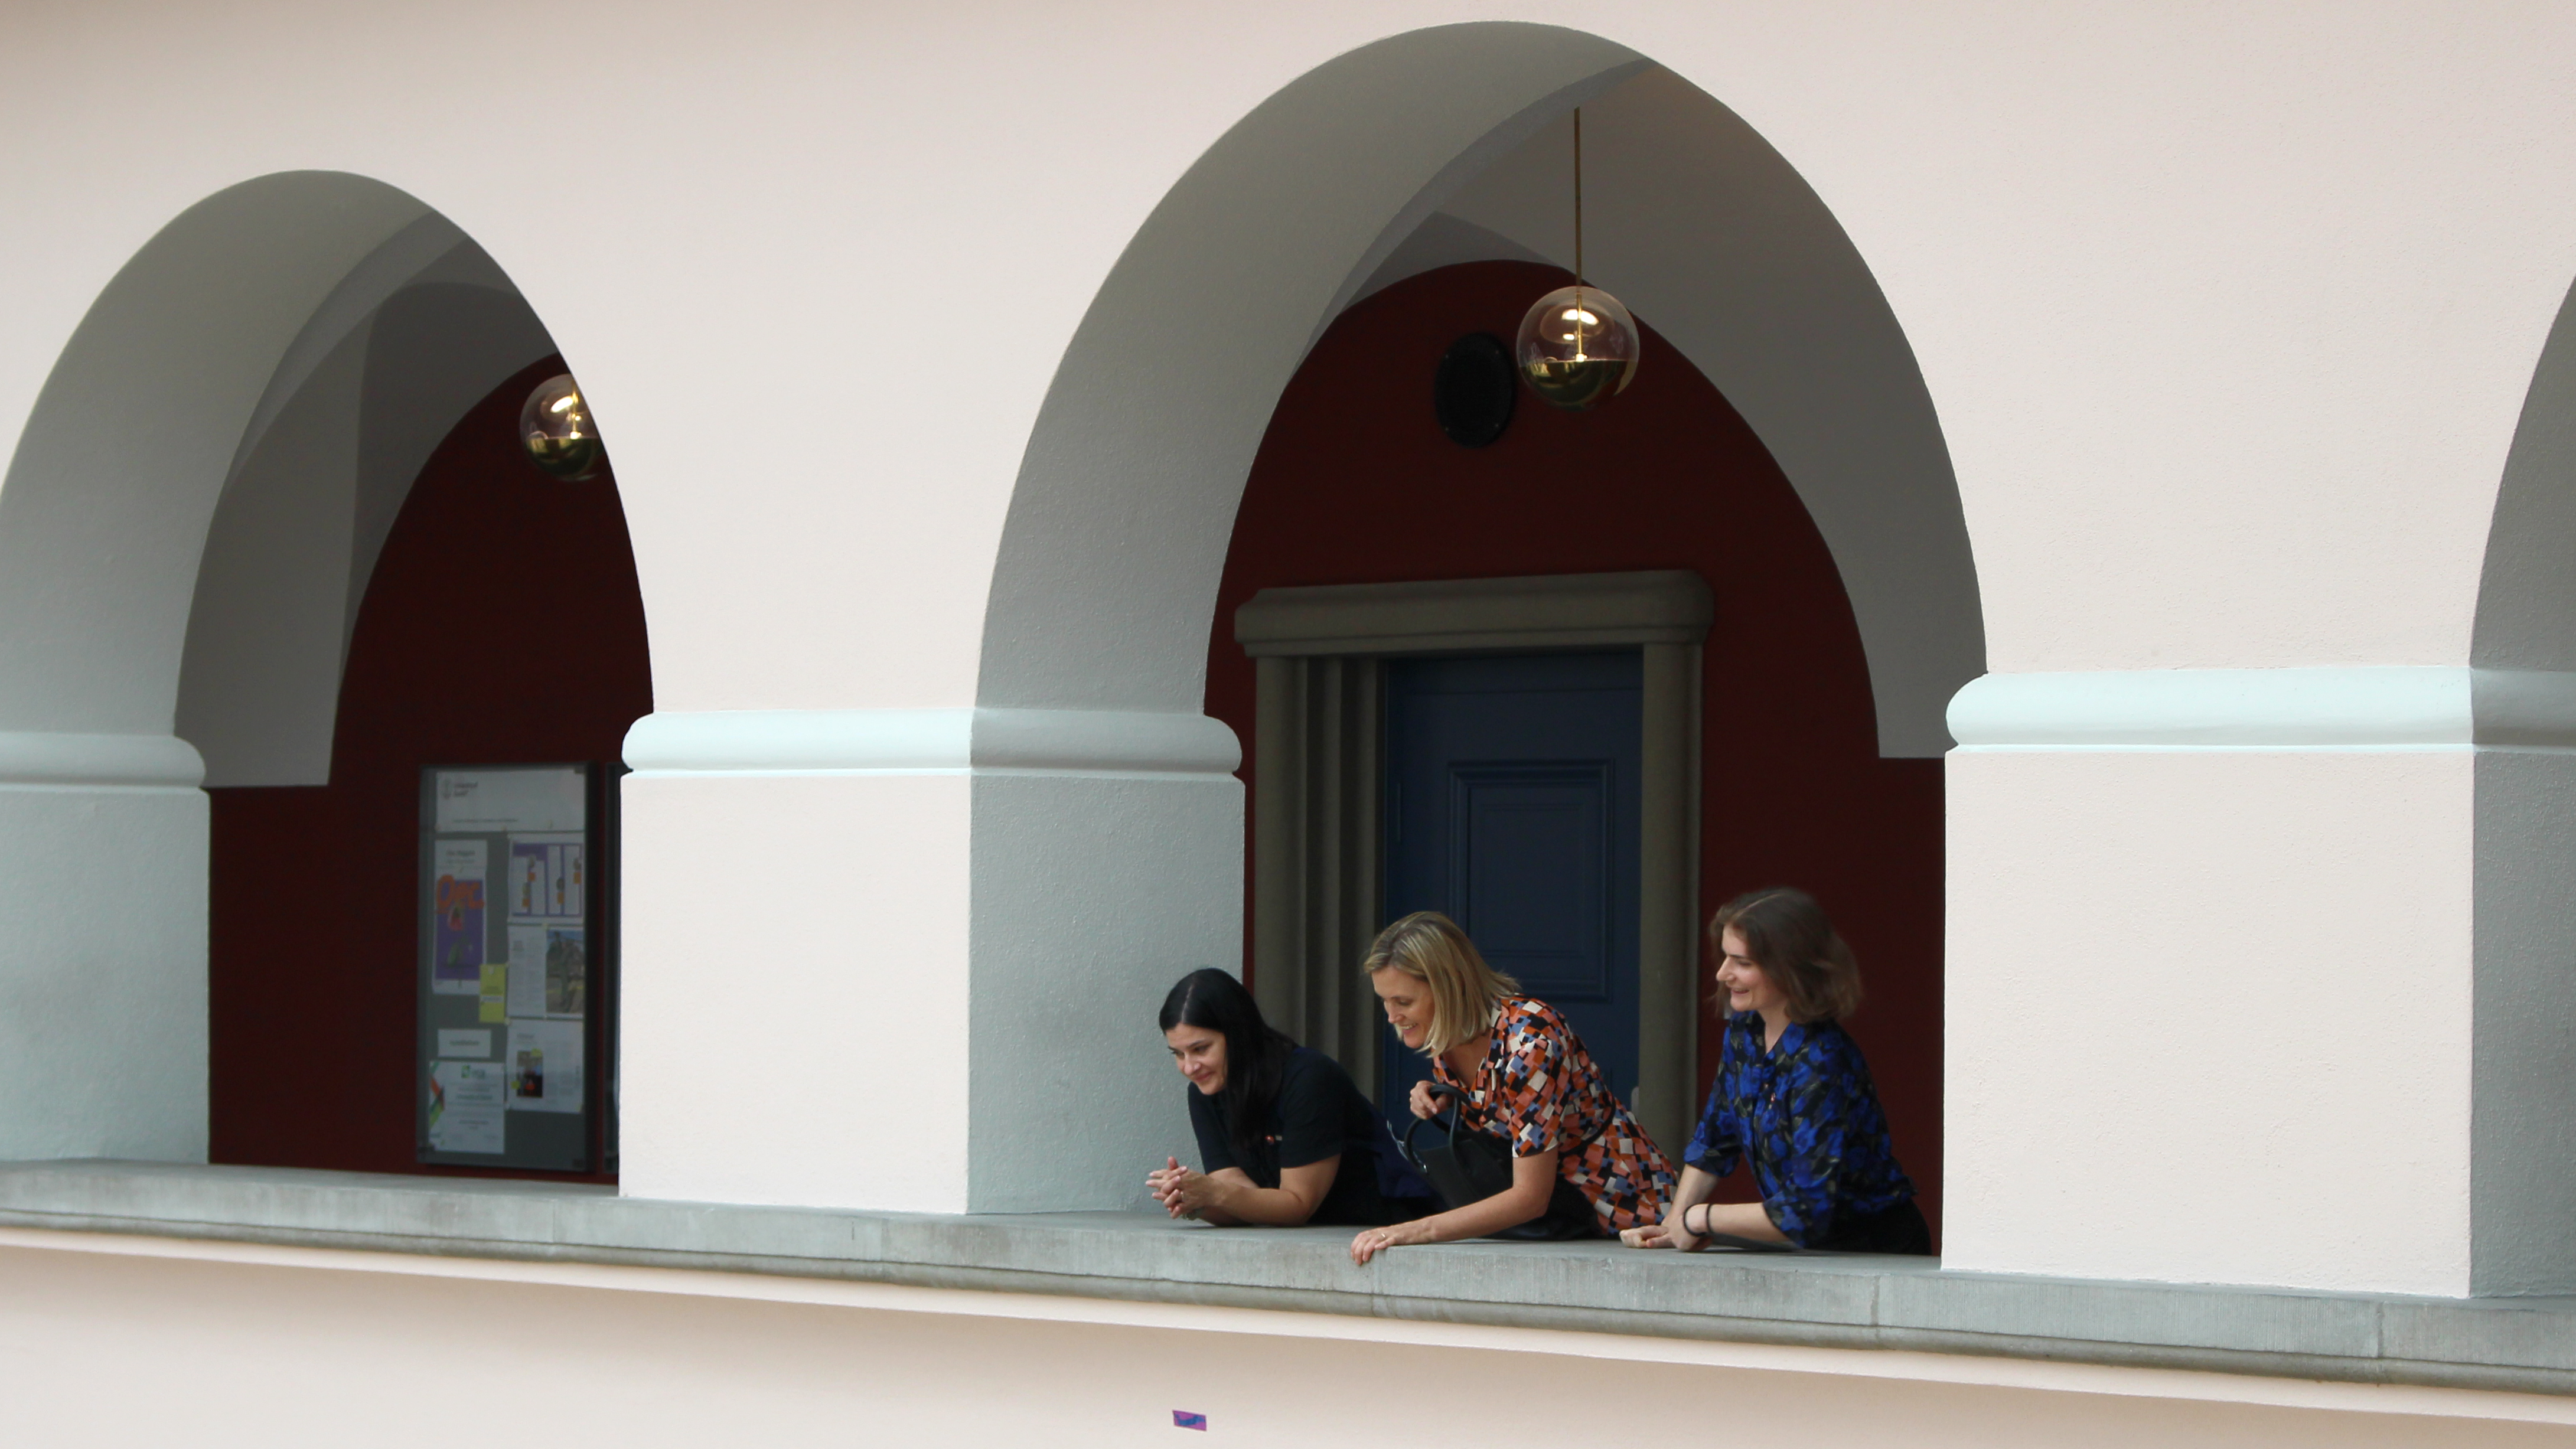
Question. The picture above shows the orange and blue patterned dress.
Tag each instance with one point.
(1538, 1087)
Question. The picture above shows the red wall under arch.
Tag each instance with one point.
(1355, 483)
(312, 952)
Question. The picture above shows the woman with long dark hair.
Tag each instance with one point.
(1792, 1095)
(1283, 1134)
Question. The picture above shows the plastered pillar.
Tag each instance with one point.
(2259, 976)
(103, 967)
(910, 959)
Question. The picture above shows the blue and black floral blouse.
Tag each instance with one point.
(1810, 1118)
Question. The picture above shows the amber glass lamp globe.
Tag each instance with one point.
(1577, 347)
(555, 427)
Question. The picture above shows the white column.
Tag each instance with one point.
(103, 968)
(2257, 976)
(910, 959)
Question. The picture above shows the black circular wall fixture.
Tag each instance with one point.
(1474, 390)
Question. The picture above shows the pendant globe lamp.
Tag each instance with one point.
(555, 427)
(1577, 346)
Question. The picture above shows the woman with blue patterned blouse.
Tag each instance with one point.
(1792, 1094)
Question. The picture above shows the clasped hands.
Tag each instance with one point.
(1182, 1191)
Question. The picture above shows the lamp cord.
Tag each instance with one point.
(1578, 196)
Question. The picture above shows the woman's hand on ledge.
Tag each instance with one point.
(1735, 1219)
(1395, 1235)
(1533, 1180)
(1667, 1234)
(1674, 1231)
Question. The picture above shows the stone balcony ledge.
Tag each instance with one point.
(1859, 1302)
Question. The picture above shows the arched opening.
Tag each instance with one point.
(1375, 177)
(266, 530)
(500, 624)
(1356, 485)
(1427, 149)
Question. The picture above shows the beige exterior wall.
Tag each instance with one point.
(2228, 318)
(114, 1342)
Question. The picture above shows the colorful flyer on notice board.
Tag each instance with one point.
(456, 942)
(571, 875)
(465, 1106)
(544, 1063)
(567, 982)
(496, 992)
(548, 878)
(528, 888)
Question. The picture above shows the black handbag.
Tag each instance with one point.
(1466, 1165)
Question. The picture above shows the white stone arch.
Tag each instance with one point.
(418, 332)
(2520, 693)
(2526, 614)
(1107, 828)
(186, 528)
(1117, 531)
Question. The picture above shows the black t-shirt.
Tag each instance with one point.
(1319, 1114)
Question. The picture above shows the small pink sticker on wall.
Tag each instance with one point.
(1184, 1419)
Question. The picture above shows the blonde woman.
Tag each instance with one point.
(1523, 1075)
(1793, 1095)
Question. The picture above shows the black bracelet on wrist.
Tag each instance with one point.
(1702, 1230)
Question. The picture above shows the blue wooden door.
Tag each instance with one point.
(1512, 805)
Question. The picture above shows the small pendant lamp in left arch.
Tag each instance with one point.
(556, 429)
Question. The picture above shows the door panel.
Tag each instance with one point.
(1528, 864)
(1512, 806)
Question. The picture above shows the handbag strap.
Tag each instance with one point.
(1448, 1120)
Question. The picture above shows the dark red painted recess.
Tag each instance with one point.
(1355, 483)
(503, 623)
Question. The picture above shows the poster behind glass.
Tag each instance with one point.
(509, 1069)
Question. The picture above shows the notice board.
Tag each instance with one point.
(515, 911)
